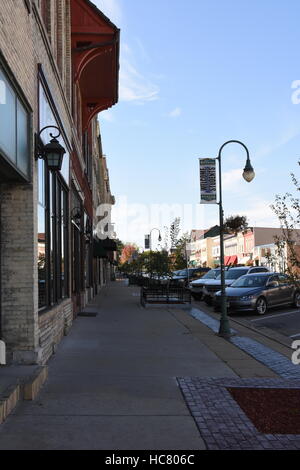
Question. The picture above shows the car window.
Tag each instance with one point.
(259, 270)
(209, 275)
(274, 278)
(182, 273)
(235, 273)
(250, 281)
(282, 279)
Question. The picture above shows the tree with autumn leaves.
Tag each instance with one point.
(128, 253)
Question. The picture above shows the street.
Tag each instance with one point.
(283, 320)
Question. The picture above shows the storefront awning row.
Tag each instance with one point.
(102, 248)
(95, 57)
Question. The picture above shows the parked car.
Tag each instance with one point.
(196, 287)
(210, 288)
(183, 277)
(258, 292)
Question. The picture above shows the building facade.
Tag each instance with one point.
(253, 246)
(59, 68)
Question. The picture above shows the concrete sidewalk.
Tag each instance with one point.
(112, 383)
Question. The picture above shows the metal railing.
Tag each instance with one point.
(165, 295)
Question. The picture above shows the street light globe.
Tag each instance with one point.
(248, 175)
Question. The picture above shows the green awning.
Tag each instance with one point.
(102, 247)
(99, 250)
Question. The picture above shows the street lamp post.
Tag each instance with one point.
(248, 175)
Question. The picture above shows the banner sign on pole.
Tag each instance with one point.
(208, 188)
(147, 242)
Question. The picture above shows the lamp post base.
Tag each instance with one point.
(224, 329)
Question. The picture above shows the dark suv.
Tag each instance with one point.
(210, 288)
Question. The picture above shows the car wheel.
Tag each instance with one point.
(261, 306)
(296, 301)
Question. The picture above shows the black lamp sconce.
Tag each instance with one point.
(76, 216)
(52, 153)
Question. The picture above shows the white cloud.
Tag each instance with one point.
(107, 116)
(175, 113)
(284, 137)
(260, 213)
(231, 178)
(134, 86)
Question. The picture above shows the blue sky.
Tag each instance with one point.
(193, 75)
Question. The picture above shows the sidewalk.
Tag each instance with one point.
(123, 379)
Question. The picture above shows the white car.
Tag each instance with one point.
(196, 287)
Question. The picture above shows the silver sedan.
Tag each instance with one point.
(258, 292)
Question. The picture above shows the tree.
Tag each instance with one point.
(129, 251)
(157, 263)
(179, 254)
(287, 209)
(174, 232)
(120, 246)
(235, 224)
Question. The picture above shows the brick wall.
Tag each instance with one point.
(24, 43)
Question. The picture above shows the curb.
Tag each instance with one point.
(24, 389)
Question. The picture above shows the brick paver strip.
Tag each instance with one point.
(220, 420)
(280, 364)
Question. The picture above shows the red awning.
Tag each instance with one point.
(233, 259)
(227, 260)
(95, 58)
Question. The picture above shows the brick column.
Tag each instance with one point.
(19, 287)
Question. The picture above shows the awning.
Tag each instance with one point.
(102, 248)
(98, 249)
(95, 58)
(233, 259)
(227, 260)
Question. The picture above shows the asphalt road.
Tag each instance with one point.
(283, 320)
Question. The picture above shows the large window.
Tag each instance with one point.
(14, 129)
(53, 217)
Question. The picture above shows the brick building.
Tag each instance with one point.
(59, 62)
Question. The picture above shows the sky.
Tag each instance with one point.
(193, 75)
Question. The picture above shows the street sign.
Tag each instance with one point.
(208, 188)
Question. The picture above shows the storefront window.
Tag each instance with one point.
(42, 273)
(14, 129)
(53, 223)
(47, 119)
(8, 120)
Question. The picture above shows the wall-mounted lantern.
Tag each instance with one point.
(76, 216)
(52, 152)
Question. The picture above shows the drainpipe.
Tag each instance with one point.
(2, 344)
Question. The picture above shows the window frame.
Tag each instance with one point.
(56, 194)
(12, 171)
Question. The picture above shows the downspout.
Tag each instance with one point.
(2, 343)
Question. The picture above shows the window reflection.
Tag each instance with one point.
(14, 129)
(41, 241)
(8, 119)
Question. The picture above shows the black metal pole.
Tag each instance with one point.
(224, 329)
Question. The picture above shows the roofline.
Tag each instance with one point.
(100, 13)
